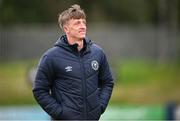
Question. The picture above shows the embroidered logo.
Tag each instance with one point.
(95, 65)
(68, 68)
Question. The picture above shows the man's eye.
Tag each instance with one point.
(76, 23)
(84, 22)
(79, 22)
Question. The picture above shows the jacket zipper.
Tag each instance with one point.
(83, 88)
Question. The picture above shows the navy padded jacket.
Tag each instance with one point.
(72, 85)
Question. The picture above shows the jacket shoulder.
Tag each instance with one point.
(97, 49)
(51, 52)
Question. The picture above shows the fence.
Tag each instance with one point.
(119, 41)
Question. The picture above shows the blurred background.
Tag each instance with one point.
(140, 37)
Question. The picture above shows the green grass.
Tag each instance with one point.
(14, 87)
(137, 81)
(143, 81)
(138, 72)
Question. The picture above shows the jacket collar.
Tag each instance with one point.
(63, 42)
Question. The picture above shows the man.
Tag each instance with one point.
(73, 80)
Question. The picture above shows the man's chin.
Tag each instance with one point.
(82, 37)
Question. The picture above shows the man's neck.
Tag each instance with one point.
(72, 41)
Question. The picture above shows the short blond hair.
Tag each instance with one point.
(74, 12)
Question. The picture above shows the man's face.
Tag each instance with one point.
(76, 28)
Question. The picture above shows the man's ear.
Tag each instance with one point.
(66, 29)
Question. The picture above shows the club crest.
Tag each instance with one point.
(95, 65)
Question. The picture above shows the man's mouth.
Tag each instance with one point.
(82, 32)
